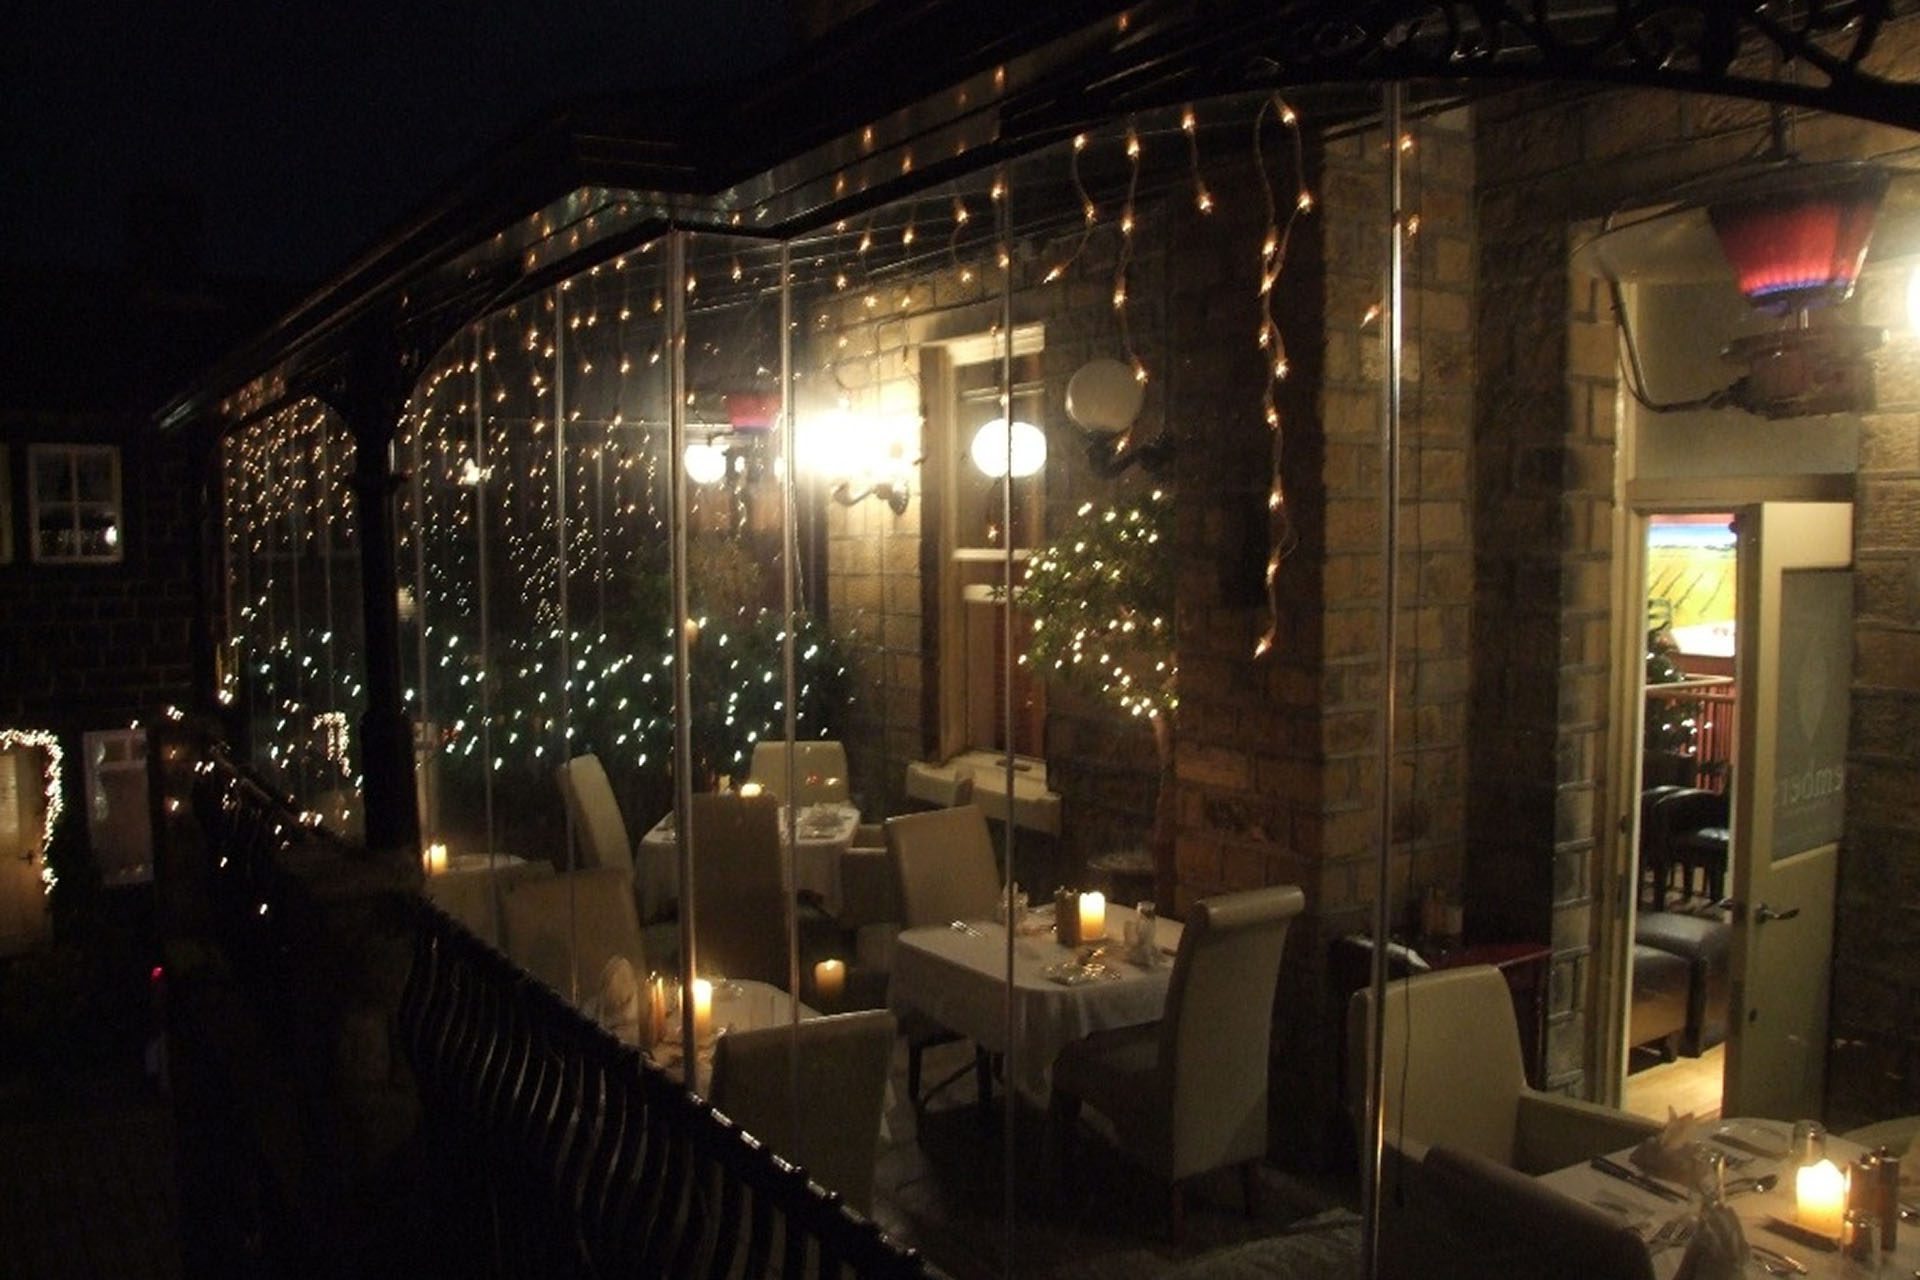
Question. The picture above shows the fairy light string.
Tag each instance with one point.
(53, 777)
(1274, 243)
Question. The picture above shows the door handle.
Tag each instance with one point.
(1764, 914)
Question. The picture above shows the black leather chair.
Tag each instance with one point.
(1655, 862)
(1688, 829)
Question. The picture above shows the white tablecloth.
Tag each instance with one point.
(466, 889)
(960, 981)
(825, 833)
(1584, 1183)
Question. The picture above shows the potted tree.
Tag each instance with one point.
(1101, 597)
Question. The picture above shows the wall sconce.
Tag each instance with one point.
(706, 462)
(1104, 398)
(996, 455)
(861, 455)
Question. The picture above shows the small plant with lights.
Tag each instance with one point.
(1101, 596)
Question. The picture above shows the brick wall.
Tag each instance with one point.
(1277, 778)
(1543, 473)
(93, 647)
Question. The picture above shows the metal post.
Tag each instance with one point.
(1391, 337)
(372, 410)
(789, 550)
(1009, 1150)
(682, 643)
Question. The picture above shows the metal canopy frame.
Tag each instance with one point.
(908, 95)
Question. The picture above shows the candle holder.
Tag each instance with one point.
(1066, 918)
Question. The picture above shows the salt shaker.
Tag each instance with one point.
(1887, 1167)
(1857, 1238)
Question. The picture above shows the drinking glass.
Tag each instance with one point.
(1809, 1145)
(1149, 950)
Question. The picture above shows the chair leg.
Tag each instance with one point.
(1250, 1186)
(1176, 1213)
(913, 1075)
(983, 1078)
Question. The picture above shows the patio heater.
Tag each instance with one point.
(1795, 236)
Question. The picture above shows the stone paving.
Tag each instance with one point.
(86, 1188)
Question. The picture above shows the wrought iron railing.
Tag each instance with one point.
(544, 1146)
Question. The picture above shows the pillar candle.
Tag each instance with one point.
(829, 980)
(1093, 917)
(1820, 1197)
(702, 1008)
(434, 858)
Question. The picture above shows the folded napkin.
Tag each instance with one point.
(617, 1004)
(1669, 1153)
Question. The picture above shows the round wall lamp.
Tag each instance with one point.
(706, 462)
(995, 455)
(1104, 397)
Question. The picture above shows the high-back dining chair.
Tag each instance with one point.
(1452, 1051)
(842, 1064)
(944, 865)
(820, 770)
(944, 862)
(739, 907)
(1189, 1093)
(599, 832)
(558, 926)
(1469, 1216)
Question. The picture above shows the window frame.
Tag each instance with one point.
(71, 453)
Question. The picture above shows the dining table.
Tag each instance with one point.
(956, 974)
(1753, 1149)
(823, 834)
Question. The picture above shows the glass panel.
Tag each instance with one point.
(53, 474)
(93, 470)
(1816, 679)
(293, 575)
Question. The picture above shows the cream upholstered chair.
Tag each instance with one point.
(1467, 1216)
(842, 1064)
(820, 768)
(1464, 1087)
(599, 832)
(739, 904)
(1189, 1093)
(944, 863)
(945, 868)
(561, 926)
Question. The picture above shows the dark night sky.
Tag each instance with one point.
(306, 130)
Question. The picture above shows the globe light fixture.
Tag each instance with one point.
(995, 455)
(706, 462)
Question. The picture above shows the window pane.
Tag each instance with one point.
(94, 475)
(52, 475)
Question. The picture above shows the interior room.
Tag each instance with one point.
(1108, 676)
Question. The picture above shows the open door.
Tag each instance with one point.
(23, 898)
(1795, 666)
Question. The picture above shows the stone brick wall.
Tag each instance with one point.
(1543, 474)
(93, 647)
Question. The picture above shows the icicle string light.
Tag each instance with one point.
(1273, 261)
(1189, 125)
(55, 791)
(1089, 212)
(1125, 259)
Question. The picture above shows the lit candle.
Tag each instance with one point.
(703, 1014)
(1093, 917)
(749, 789)
(829, 980)
(1820, 1197)
(434, 858)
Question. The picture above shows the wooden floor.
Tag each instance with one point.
(1683, 1085)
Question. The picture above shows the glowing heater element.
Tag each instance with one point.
(1800, 245)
